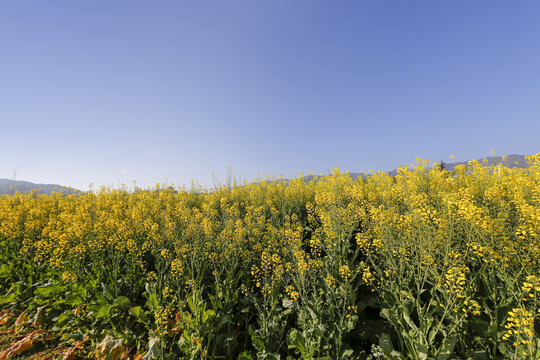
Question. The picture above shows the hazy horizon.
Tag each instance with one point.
(232, 178)
(107, 93)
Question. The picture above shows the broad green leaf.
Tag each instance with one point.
(104, 311)
(153, 302)
(287, 312)
(312, 313)
(136, 311)
(422, 350)
(107, 291)
(409, 322)
(93, 308)
(63, 319)
(5, 271)
(287, 304)
(122, 302)
(478, 355)
(386, 343)
(8, 299)
(245, 356)
(257, 342)
(50, 289)
(447, 348)
(74, 300)
(351, 323)
(390, 315)
(503, 348)
(433, 332)
(296, 340)
(224, 320)
(208, 315)
(346, 354)
(318, 331)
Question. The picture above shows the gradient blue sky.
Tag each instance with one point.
(113, 91)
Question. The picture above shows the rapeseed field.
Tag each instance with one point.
(428, 264)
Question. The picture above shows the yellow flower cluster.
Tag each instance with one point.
(292, 293)
(163, 318)
(471, 306)
(531, 288)
(177, 268)
(351, 310)
(345, 272)
(456, 280)
(330, 281)
(367, 275)
(520, 325)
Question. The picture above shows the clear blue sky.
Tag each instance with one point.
(113, 91)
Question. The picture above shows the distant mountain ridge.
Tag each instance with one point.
(11, 186)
